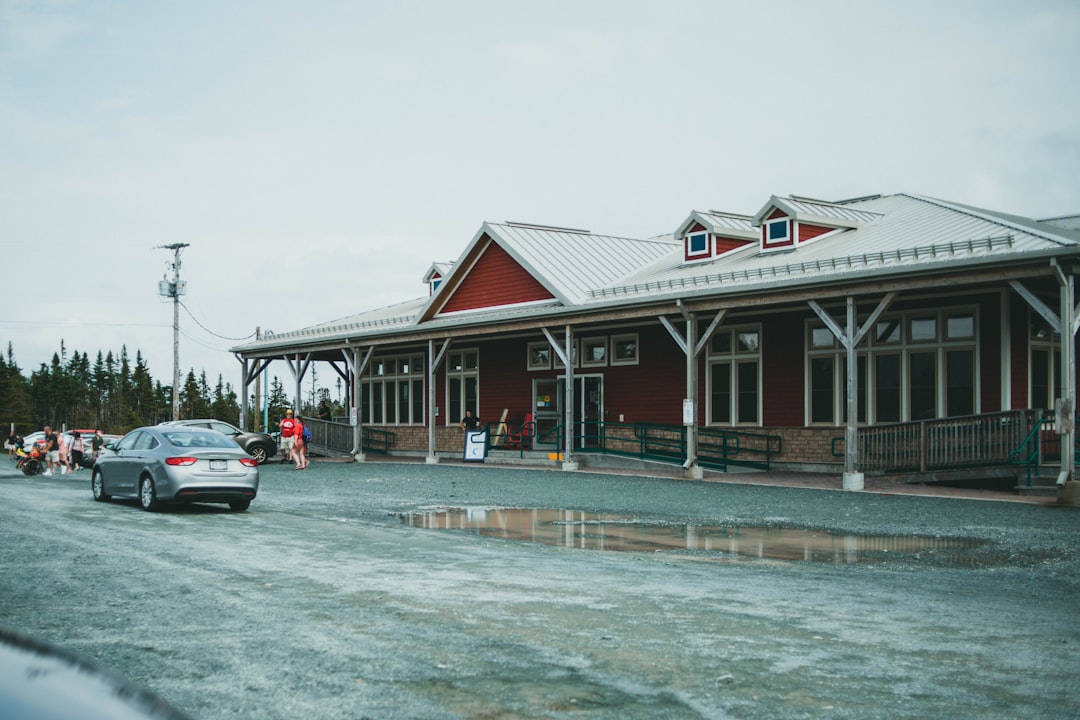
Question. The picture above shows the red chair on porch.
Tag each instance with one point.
(522, 440)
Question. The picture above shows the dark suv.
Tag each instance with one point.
(256, 444)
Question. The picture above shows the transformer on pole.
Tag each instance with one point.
(174, 288)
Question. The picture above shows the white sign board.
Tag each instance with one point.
(475, 445)
(688, 414)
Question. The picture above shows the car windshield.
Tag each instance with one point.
(190, 439)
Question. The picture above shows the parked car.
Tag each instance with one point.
(176, 464)
(39, 681)
(34, 438)
(258, 445)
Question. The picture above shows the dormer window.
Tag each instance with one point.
(777, 233)
(697, 245)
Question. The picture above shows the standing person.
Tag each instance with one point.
(12, 443)
(96, 443)
(469, 422)
(288, 434)
(51, 450)
(299, 447)
(77, 450)
(324, 411)
(62, 442)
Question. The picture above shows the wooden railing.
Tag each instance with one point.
(946, 443)
(335, 438)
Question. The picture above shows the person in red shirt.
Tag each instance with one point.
(299, 448)
(289, 429)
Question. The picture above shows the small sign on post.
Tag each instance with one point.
(688, 414)
(1063, 415)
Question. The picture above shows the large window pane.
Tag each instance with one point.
(960, 382)
(821, 389)
(720, 382)
(748, 392)
(923, 370)
(456, 411)
(887, 388)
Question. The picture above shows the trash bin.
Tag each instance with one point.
(475, 445)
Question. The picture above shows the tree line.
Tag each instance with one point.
(112, 393)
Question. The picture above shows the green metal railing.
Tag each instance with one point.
(377, 441)
(1029, 452)
(717, 448)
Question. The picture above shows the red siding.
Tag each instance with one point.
(782, 370)
(777, 213)
(724, 244)
(496, 279)
(809, 232)
(990, 353)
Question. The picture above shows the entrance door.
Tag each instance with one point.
(588, 411)
(589, 394)
(547, 412)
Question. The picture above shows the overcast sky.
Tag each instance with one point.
(318, 156)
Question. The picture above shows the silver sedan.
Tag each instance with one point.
(176, 464)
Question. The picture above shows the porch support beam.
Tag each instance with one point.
(357, 368)
(1065, 407)
(565, 354)
(434, 361)
(692, 347)
(298, 368)
(850, 337)
(248, 374)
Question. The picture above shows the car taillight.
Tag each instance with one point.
(181, 461)
(249, 462)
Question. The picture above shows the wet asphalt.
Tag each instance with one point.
(321, 602)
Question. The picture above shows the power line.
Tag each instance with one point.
(223, 337)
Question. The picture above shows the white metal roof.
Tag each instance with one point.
(892, 235)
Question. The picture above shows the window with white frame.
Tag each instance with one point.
(462, 384)
(624, 349)
(393, 390)
(539, 356)
(912, 366)
(594, 352)
(557, 363)
(777, 232)
(697, 245)
(734, 376)
(1044, 368)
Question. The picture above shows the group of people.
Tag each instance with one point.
(293, 445)
(61, 452)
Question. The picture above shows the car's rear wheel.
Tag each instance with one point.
(147, 494)
(259, 453)
(239, 505)
(97, 485)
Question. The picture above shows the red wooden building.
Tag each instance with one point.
(863, 336)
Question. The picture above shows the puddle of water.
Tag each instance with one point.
(590, 531)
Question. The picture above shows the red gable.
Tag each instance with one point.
(495, 279)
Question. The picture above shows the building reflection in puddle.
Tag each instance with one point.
(591, 531)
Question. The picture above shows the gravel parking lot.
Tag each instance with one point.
(325, 601)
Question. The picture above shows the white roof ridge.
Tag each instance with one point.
(1002, 219)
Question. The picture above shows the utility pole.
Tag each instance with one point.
(174, 288)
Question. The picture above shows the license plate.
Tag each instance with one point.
(219, 464)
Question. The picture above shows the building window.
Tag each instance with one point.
(594, 352)
(557, 362)
(1044, 371)
(539, 354)
(916, 366)
(777, 232)
(734, 377)
(462, 384)
(697, 245)
(624, 349)
(393, 391)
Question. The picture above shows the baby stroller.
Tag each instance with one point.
(29, 462)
